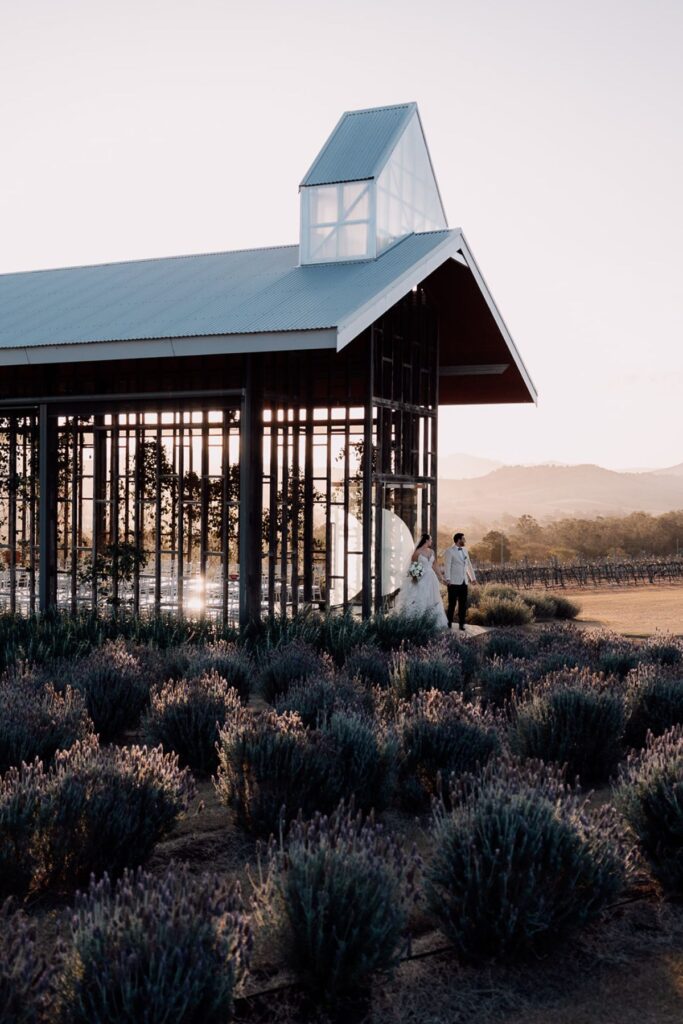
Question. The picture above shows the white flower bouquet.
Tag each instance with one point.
(416, 571)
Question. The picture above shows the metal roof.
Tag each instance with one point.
(243, 292)
(360, 144)
(254, 300)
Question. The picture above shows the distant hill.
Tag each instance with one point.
(551, 492)
(465, 467)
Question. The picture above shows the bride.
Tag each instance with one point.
(422, 594)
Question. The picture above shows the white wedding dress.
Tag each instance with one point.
(423, 595)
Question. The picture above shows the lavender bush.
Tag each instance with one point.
(22, 796)
(226, 660)
(36, 721)
(154, 950)
(272, 766)
(396, 631)
(342, 889)
(650, 796)
(573, 718)
(500, 679)
(441, 735)
(654, 702)
(519, 861)
(106, 810)
(314, 700)
(185, 717)
(114, 689)
(293, 663)
(369, 665)
(412, 673)
(26, 978)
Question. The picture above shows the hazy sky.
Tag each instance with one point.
(137, 128)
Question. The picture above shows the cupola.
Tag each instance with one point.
(371, 185)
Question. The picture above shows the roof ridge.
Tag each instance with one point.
(147, 259)
(373, 110)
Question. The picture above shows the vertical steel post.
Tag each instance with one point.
(367, 481)
(251, 492)
(47, 510)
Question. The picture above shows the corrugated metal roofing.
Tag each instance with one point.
(249, 291)
(358, 147)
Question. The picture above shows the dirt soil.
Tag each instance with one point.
(635, 611)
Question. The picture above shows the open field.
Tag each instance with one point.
(634, 611)
(381, 724)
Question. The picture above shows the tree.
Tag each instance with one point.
(493, 547)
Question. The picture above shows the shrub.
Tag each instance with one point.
(225, 660)
(153, 949)
(114, 689)
(293, 663)
(468, 654)
(104, 810)
(413, 673)
(507, 644)
(572, 719)
(617, 661)
(342, 889)
(369, 665)
(316, 699)
(277, 631)
(500, 590)
(440, 735)
(500, 611)
(654, 703)
(341, 635)
(664, 651)
(651, 798)
(22, 792)
(392, 632)
(365, 758)
(518, 862)
(185, 717)
(501, 679)
(158, 665)
(544, 606)
(36, 721)
(565, 608)
(25, 977)
(549, 662)
(271, 767)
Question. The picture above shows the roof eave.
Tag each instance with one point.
(154, 348)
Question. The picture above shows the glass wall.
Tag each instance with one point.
(407, 196)
(336, 222)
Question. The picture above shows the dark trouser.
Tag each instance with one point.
(457, 594)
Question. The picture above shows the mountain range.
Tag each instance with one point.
(554, 491)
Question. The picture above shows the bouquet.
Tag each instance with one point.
(416, 571)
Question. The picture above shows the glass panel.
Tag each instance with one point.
(407, 196)
(323, 245)
(356, 201)
(323, 204)
(353, 240)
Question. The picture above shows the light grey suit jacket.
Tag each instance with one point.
(457, 566)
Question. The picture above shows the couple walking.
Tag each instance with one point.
(421, 591)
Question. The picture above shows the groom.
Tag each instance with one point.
(457, 571)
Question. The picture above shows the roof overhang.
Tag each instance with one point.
(478, 358)
(155, 348)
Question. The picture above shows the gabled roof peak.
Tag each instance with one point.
(359, 145)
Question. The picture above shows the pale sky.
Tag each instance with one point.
(139, 128)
